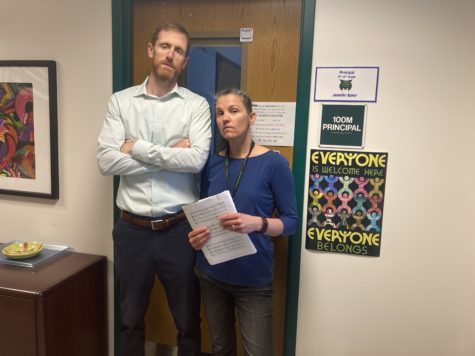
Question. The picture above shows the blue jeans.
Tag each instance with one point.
(254, 309)
(140, 254)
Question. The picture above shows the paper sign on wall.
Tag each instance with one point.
(354, 84)
(247, 34)
(275, 123)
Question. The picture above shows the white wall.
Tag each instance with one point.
(418, 297)
(77, 35)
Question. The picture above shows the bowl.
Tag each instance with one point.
(23, 249)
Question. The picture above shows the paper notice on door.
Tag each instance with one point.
(223, 245)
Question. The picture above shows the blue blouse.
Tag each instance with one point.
(266, 185)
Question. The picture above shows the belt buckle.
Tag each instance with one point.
(152, 224)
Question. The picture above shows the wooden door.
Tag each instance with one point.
(270, 68)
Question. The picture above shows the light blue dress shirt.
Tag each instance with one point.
(155, 179)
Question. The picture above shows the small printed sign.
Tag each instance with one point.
(247, 34)
(343, 125)
(275, 122)
(350, 84)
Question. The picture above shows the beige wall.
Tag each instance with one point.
(77, 35)
(417, 299)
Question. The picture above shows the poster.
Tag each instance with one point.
(345, 201)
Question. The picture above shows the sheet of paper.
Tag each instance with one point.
(274, 124)
(224, 245)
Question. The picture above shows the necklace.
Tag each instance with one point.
(241, 169)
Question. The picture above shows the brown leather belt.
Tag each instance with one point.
(152, 224)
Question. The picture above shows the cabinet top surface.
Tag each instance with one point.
(32, 281)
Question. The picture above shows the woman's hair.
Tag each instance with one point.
(235, 91)
(171, 26)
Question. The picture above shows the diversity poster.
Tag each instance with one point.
(345, 201)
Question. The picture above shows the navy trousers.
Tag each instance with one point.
(140, 254)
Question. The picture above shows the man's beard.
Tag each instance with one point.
(166, 73)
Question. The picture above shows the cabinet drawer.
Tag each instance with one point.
(17, 326)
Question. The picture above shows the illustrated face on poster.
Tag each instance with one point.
(345, 201)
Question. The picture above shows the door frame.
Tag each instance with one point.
(122, 29)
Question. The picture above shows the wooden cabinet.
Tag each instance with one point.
(56, 309)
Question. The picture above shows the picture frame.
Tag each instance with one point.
(28, 129)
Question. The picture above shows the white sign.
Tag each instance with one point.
(247, 34)
(353, 84)
(275, 123)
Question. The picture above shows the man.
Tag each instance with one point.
(156, 136)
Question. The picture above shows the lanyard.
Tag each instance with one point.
(241, 169)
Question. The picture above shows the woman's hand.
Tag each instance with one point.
(240, 222)
(198, 237)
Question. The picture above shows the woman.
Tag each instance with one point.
(260, 182)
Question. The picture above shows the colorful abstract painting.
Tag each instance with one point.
(17, 134)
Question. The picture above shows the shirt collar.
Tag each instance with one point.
(142, 90)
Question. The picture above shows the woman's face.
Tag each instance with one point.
(233, 120)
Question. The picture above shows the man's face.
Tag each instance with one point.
(168, 54)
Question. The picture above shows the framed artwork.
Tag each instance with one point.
(28, 129)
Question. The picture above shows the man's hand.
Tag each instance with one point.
(183, 143)
(127, 146)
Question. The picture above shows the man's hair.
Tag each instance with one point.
(172, 26)
(246, 100)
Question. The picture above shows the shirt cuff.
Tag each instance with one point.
(140, 149)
